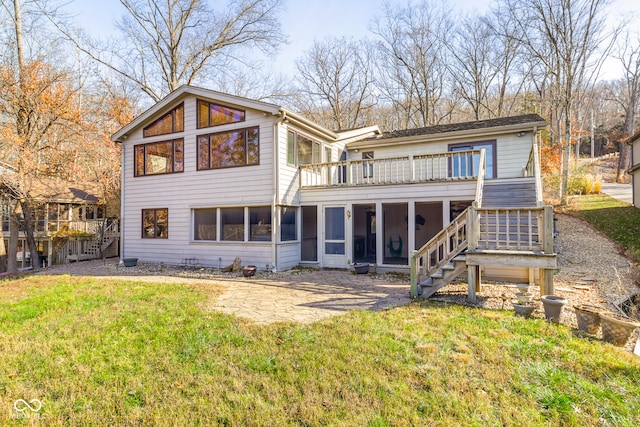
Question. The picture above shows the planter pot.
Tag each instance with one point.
(617, 329)
(523, 309)
(588, 317)
(130, 262)
(249, 271)
(524, 298)
(361, 267)
(553, 305)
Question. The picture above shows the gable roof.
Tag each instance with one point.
(266, 107)
(633, 138)
(456, 130)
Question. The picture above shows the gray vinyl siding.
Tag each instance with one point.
(180, 192)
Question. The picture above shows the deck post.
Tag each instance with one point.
(547, 233)
(473, 229)
(414, 274)
(473, 279)
(412, 171)
(546, 281)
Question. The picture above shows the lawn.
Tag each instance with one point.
(618, 220)
(99, 352)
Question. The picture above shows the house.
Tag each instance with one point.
(70, 223)
(208, 177)
(634, 170)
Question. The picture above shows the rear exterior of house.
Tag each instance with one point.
(208, 177)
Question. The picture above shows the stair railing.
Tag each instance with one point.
(482, 166)
(438, 251)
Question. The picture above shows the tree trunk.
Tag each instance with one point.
(14, 232)
(29, 231)
(3, 252)
(564, 185)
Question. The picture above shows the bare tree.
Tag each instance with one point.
(566, 38)
(175, 42)
(628, 53)
(412, 65)
(336, 80)
(474, 67)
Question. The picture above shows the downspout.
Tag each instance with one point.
(276, 190)
(122, 205)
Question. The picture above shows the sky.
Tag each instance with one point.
(304, 21)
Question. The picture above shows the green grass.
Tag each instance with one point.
(99, 352)
(618, 220)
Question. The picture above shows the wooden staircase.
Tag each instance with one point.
(443, 276)
(511, 193)
(83, 249)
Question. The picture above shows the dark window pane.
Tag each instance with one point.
(203, 114)
(304, 150)
(178, 116)
(288, 229)
(220, 115)
(171, 122)
(178, 159)
(291, 148)
(334, 223)
(227, 149)
(204, 224)
(253, 146)
(159, 158)
(139, 160)
(260, 224)
(162, 223)
(148, 223)
(232, 224)
(203, 152)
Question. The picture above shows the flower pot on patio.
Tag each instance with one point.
(361, 267)
(588, 317)
(553, 305)
(616, 329)
(524, 298)
(249, 270)
(130, 262)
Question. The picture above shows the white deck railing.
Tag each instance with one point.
(450, 166)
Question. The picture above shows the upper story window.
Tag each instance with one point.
(302, 150)
(212, 114)
(159, 157)
(171, 122)
(240, 147)
(470, 164)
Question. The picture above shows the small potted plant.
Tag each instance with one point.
(249, 270)
(553, 305)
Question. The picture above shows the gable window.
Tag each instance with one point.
(302, 150)
(155, 223)
(159, 157)
(228, 149)
(171, 122)
(212, 114)
(468, 166)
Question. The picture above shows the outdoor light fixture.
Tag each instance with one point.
(521, 133)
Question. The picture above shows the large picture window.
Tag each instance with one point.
(212, 114)
(229, 149)
(302, 150)
(159, 157)
(155, 223)
(204, 224)
(171, 122)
